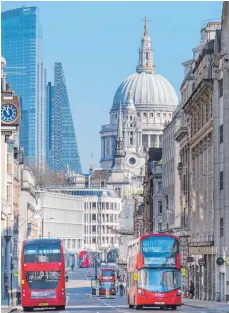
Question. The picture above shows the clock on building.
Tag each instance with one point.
(8, 113)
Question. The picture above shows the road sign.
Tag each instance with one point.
(201, 262)
(183, 272)
(227, 260)
(135, 276)
(220, 261)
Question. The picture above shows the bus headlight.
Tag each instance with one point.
(179, 292)
(140, 292)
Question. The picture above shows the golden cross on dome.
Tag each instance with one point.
(146, 21)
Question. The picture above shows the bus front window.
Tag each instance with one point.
(159, 280)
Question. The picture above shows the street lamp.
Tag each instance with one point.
(38, 217)
(42, 225)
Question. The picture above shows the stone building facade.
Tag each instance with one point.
(195, 136)
(170, 175)
(153, 193)
(221, 156)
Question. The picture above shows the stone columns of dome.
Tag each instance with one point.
(102, 154)
(158, 141)
(111, 150)
(148, 141)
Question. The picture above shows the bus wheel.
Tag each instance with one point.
(61, 307)
(138, 307)
(27, 309)
(174, 307)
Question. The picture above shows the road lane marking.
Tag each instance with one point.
(95, 306)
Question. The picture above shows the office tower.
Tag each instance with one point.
(49, 123)
(65, 149)
(21, 47)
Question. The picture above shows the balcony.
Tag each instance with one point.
(181, 132)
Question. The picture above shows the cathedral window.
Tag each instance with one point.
(131, 138)
(132, 161)
(131, 118)
(145, 115)
(151, 114)
(158, 114)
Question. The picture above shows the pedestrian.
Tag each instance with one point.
(191, 289)
(121, 289)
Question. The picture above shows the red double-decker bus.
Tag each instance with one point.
(107, 279)
(43, 274)
(154, 272)
(84, 259)
(107, 274)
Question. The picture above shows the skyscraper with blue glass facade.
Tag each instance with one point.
(21, 46)
(63, 143)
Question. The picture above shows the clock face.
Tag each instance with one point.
(8, 113)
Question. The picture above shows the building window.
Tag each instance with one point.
(159, 226)
(158, 114)
(151, 114)
(68, 244)
(93, 217)
(73, 243)
(221, 88)
(93, 239)
(159, 207)
(138, 114)
(164, 114)
(145, 114)
(93, 228)
(221, 180)
(221, 227)
(116, 115)
(160, 187)
(221, 133)
(131, 118)
(94, 205)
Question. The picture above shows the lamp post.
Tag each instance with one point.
(42, 225)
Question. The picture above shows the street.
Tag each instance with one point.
(79, 299)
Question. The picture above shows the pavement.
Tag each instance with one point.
(79, 299)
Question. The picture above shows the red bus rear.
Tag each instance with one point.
(107, 275)
(43, 274)
(107, 279)
(154, 272)
(84, 259)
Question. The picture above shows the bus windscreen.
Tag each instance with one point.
(163, 245)
(40, 253)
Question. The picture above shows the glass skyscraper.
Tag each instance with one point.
(49, 124)
(21, 46)
(63, 138)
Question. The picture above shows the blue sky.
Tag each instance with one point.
(97, 42)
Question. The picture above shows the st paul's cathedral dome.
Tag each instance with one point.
(147, 87)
